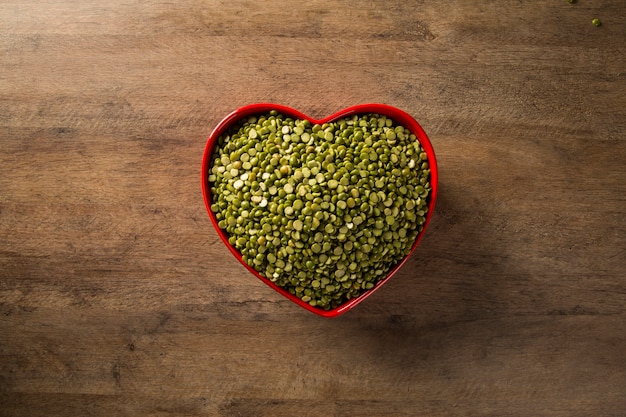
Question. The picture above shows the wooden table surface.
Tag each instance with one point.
(117, 297)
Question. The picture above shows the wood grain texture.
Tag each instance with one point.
(118, 298)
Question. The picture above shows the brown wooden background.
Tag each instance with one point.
(118, 299)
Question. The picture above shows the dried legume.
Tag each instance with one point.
(324, 211)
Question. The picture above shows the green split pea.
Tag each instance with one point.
(324, 211)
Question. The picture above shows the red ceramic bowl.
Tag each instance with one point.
(393, 113)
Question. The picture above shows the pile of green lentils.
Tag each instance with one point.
(322, 210)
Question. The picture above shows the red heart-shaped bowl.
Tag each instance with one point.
(398, 116)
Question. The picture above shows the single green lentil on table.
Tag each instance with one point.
(323, 211)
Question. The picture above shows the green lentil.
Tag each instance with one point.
(323, 211)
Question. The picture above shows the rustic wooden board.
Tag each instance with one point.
(118, 298)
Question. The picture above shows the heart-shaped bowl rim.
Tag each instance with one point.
(397, 115)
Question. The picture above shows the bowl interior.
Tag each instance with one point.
(396, 114)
